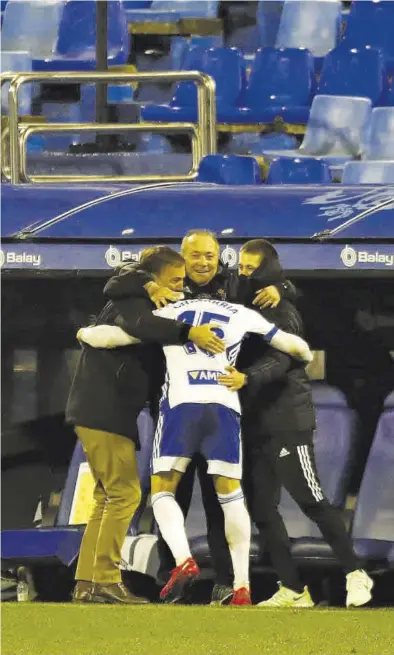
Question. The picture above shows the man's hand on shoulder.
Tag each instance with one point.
(161, 296)
(267, 297)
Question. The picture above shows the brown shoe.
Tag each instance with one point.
(82, 592)
(115, 593)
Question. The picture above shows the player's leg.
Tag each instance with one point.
(238, 532)
(222, 449)
(299, 475)
(171, 522)
(172, 452)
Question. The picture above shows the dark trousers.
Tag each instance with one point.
(289, 461)
(217, 543)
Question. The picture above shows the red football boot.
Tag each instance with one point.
(241, 596)
(182, 578)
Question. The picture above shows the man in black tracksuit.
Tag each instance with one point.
(277, 426)
(109, 390)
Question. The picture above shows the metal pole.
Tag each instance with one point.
(101, 65)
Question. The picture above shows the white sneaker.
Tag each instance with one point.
(358, 587)
(285, 597)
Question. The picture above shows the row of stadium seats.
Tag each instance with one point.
(372, 526)
(68, 29)
(235, 170)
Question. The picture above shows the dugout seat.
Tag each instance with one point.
(368, 172)
(373, 524)
(298, 171)
(229, 169)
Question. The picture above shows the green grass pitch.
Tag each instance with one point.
(49, 629)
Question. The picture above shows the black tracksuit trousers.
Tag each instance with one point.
(290, 462)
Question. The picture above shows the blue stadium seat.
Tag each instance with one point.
(356, 72)
(335, 132)
(62, 35)
(16, 62)
(281, 84)
(310, 24)
(229, 169)
(333, 444)
(380, 138)
(269, 13)
(225, 65)
(168, 11)
(373, 526)
(371, 23)
(298, 171)
(368, 172)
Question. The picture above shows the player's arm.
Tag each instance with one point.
(292, 344)
(108, 336)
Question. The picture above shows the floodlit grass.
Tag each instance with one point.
(49, 629)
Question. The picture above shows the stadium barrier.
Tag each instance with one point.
(203, 132)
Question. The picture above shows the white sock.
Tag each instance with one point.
(238, 531)
(171, 523)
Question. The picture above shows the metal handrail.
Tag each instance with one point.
(28, 130)
(206, 104)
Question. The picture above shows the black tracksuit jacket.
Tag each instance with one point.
(277, 398)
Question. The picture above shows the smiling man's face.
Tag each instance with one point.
(201, 253)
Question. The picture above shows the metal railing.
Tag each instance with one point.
(203, 132)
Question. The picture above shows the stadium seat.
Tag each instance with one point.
(281, 84)
(373, 526)
(310, 24)
(335, 132)
(298, 171)
(371, 23)
(62, 35)
(356, 72)
(225, 65)
(229, 169)
(16, 62)
(269, 13)
(333, 443)
(368, 172)
(380, 137)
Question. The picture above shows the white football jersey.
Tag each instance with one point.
(192, 372)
